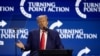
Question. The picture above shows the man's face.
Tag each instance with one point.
(42, 22)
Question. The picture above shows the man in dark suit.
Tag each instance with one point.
(42, 38)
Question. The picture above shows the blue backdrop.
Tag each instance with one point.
(77, 21)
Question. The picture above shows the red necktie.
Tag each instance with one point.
(42, 41)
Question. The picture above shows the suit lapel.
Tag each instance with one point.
(47, 41)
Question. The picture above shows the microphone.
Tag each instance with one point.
(45, 28)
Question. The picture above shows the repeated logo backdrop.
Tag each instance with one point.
(77, 21)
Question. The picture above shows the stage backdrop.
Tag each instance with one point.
(77, 21)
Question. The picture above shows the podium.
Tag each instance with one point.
(55, 52)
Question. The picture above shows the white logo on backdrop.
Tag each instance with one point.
(23, 10)
(82, 15)
(3, 23)
(56, 24)
(86, 50)
(1, 42)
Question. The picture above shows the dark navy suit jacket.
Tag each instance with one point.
(53, 41)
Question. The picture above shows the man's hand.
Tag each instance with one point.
(20, 44)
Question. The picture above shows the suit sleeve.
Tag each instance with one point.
(59, 44)
(28, 43)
